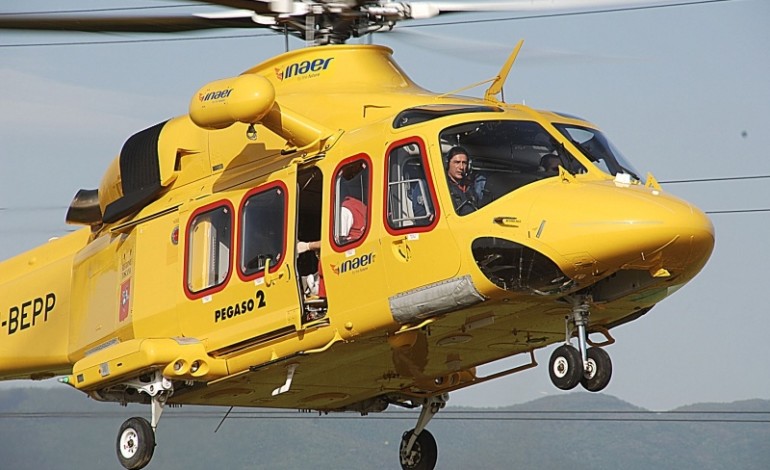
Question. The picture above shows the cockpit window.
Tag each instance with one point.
(502, 156)
(595, 145)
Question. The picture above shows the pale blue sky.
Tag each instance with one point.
(682, 91)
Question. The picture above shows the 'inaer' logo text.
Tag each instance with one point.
(307, 68)
(215, 95)
(359, 263)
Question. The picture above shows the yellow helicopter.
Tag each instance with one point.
(321, 233)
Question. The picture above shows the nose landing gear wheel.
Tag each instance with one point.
(599, 370)
(424, 453)
(136, 443)
(565, 367)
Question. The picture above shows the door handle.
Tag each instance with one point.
(508, 221)
(402, 249)
(272, 278)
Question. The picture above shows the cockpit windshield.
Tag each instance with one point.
(485, 160)
(595, 145)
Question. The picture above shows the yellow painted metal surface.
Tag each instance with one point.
(35, 288)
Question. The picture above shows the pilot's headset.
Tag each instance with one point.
(457, 150)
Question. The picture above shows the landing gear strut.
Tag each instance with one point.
(590, 367)
(418, 450)
(136, 437)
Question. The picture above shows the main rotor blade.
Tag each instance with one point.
(423, 10)
(257, 6)
(125, 24)
(243, 17)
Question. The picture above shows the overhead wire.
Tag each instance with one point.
(441, 23)
(724, 179)
(680, 181)
(8, 209)
(720, 178)
(713, 416)
(738, 211)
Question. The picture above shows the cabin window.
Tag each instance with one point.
(351, 196)
(410, 199)
(263, 228)
(209, 243)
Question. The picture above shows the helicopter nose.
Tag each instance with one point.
(633, 228)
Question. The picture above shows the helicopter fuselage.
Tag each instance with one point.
(195, 261)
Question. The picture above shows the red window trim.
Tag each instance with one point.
(357, 243)
(216, 288)
(431, 188)
(252, 192)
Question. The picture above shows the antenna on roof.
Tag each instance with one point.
(497, 85)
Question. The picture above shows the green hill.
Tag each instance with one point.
(63, 429)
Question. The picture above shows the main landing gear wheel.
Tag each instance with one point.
(136, 443)
(418, 450)
(565, 367)
(598, 370)
(424, 453)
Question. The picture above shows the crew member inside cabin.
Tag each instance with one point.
(465, 187)
(352, 225)
(550, 164)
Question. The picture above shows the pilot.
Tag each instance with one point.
(466, 188)
(550, 163)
